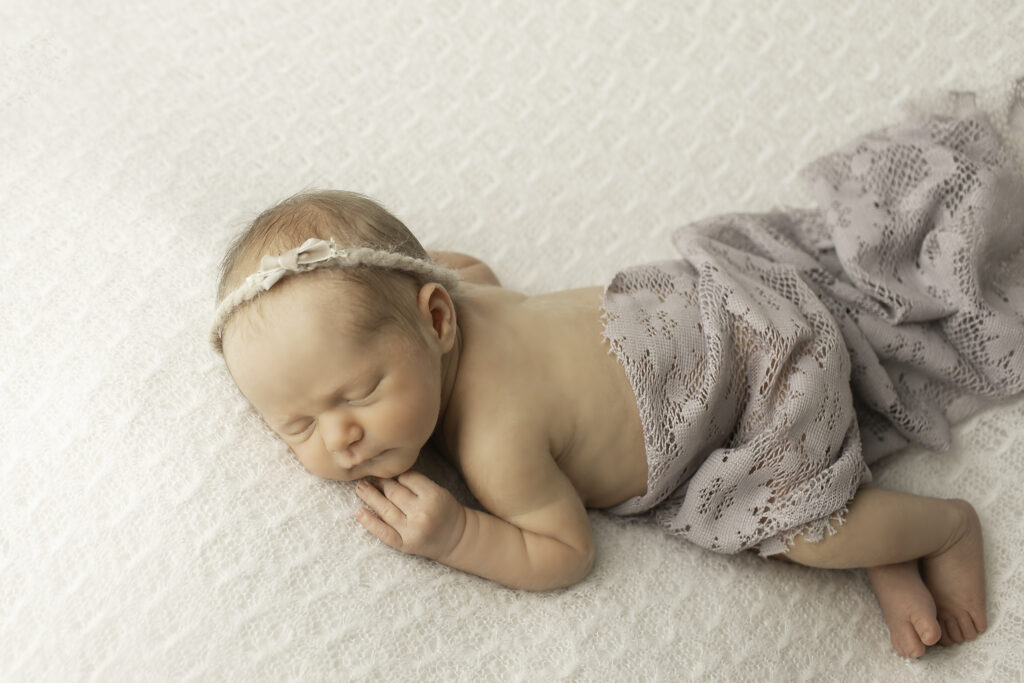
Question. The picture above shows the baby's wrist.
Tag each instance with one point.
(457, 533)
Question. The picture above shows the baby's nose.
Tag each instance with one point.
(343, 437)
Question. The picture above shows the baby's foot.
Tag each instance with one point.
(956, 577)
(907, 605)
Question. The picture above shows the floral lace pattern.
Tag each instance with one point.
(785, 352)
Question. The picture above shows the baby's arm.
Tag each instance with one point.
(471, 269)
(539, 537)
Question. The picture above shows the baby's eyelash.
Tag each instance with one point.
(304, 430)
(357, 401)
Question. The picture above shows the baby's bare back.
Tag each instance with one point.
(540, 364)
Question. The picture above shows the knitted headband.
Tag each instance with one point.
(316, 253)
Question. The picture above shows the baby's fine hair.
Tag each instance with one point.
(386, 296)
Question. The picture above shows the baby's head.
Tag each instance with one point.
(337, 327)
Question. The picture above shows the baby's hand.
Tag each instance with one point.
(414, 514)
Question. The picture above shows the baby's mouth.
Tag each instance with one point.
(350, 459)
(376, 456)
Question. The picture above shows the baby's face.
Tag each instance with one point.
(346, 409)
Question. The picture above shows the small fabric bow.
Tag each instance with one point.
(273, 268)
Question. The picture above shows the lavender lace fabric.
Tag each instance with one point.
(785, 352)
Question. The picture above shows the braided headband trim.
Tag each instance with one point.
(314, 254)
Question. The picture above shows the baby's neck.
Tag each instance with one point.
(478, 310)
(449, 375)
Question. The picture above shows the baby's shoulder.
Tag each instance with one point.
(492, 412)
(495, 411)
(523, 362)
(503, 456)
(499, 359)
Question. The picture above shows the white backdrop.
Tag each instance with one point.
(152, 529)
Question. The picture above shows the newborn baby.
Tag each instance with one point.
(712, 393)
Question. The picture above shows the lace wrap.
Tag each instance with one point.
(786, 351)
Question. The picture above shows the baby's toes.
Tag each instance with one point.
(927, 629)
(905, 639)
(978, 620)
(967, 629)
(958, 626)
(951, 628)
(944, 639)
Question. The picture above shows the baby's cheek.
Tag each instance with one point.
(320, 467)
(302, 457)
(425, 410)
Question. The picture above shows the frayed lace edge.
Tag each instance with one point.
(812, 532)
(606, 319)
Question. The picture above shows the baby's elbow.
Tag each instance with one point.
(586, 566)
(587, 560)
(572, 568)
(585, 551)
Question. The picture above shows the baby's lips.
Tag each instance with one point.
(351, 459)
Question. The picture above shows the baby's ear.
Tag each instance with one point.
(438, 311)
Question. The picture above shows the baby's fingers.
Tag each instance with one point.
(387, 512)
(378, 528)
(417, 482)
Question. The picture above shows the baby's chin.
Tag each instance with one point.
(387, 465)
(395, 469)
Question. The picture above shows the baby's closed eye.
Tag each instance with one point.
(364, 396)
(361, 398)
(308, 428)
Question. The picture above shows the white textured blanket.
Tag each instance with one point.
(152, 529)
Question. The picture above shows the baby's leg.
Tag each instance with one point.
(893, 528)
(956, 579)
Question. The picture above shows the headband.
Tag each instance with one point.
(316, 253)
